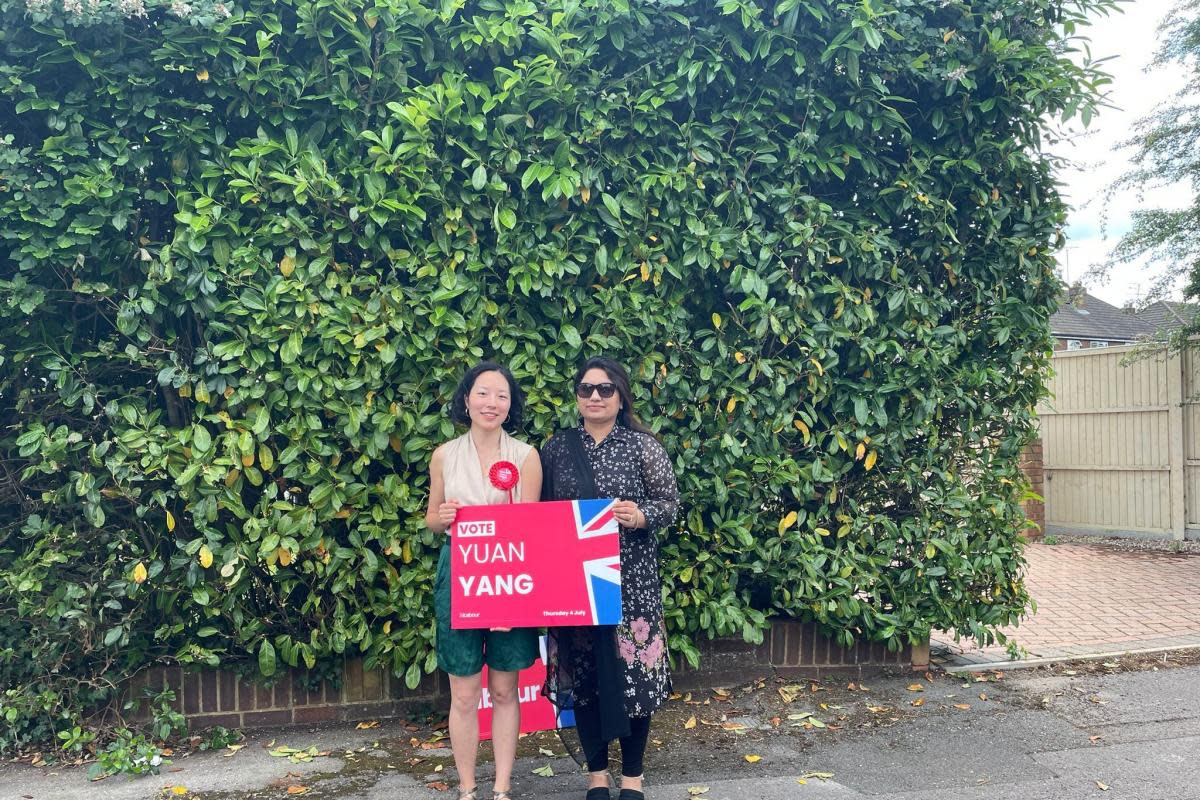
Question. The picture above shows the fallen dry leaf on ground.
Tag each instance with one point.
(546, 771)
(1104, 787)
(363, 726)
(916, 687)
(438, 786)
(963, 706)
(790, 693)
(810, 776)
(753, 759)
(691, 723)
(920, 701)
(695, 790)
(297, 789)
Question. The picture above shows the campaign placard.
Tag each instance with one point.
(532, 565)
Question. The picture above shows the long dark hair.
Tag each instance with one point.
(516, 407)
(620, 378)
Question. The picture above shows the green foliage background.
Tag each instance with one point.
(247, 257)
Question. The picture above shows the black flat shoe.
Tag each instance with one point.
(631, 794)
(597, 793)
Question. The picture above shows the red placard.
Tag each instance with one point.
(532, 565)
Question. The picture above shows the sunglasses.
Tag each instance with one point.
(606, 390)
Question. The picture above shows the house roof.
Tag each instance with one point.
(1168, 315)
(1082, 316)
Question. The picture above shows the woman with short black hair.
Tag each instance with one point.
(461, 474)
(614, 677)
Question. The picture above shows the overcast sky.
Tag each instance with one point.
(1094, 226)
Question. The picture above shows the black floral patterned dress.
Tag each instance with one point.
(628, 465)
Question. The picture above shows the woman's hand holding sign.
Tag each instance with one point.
(447, 511)
(628, 514)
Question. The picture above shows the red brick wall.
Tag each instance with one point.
(1031, 465)
(213, 697)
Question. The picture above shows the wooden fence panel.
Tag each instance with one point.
(1191, 438)
(1121, 438)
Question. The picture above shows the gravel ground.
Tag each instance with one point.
(1131, 545)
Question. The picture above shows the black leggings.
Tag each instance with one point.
(595, 749)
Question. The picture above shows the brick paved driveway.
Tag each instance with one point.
(1096, 600)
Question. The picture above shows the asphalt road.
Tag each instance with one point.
(1127, 730)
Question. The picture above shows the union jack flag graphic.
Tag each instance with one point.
(594, 519)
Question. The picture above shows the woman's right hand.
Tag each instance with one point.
(447, 512)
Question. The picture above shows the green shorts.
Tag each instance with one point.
(464, 652)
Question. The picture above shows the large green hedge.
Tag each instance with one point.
(248, 250)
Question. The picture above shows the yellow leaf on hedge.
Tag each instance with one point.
(817, 364)
(788, 521)
(201, 75)
(248, 460)
(170, 521)
(139, 573)
(645, 271)
(871, 458)
(739, 357)
(206, 556)
(395, 443)
(716, 319)
(930, 550)
(803, 428)
(731, 405)
(285, 556)
(202, 395)
(585, 193)
(360, 341)
(406, 553)
(287, 265)
(387, 627)
(860, 451)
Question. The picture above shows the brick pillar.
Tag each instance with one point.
(1031, 465)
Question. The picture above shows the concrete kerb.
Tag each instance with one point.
(1028, 663)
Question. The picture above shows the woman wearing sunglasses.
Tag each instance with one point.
(614, 677)
(461, 473)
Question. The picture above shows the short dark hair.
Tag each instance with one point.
(458, 404)
(620, 378)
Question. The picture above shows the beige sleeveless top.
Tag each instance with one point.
(464, 476)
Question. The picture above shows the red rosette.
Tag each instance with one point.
(504, 476)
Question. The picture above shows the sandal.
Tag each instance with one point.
(469, 794)
(501, 794)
